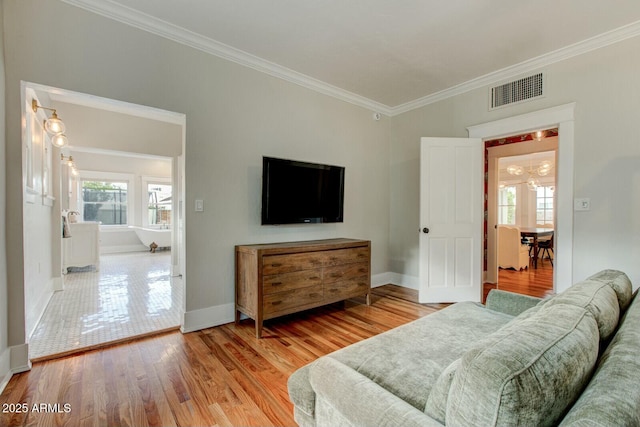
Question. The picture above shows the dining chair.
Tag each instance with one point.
(547, 247)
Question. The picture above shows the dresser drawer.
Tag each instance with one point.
(346, 256)
(346, 288)
(289, 281)
(286, 300)
(345, 272)
(277, 264)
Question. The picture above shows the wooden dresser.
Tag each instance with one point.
(282, 278)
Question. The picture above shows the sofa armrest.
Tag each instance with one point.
(509, 302)
(359, 400)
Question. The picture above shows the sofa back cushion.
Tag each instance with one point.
(526, 373)
(619, 282)
(612, 397)
(598, 298)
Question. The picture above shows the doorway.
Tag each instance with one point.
(561, 117)
(520, 195)
(105, 138)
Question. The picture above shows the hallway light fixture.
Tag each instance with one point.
(59, 140)
(53, 125)
(69, 161)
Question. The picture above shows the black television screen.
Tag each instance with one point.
(300, 192)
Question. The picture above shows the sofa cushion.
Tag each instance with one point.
(612, 397)
(436, 406)
(619, 282)
(526, 373)
(596, 297)
(408, 360)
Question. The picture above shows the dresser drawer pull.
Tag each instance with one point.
(276, 302)
(336, 274)
(276, 283)
(362, 270)
(276, 265)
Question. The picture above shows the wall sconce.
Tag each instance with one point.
(69, 161)
(53, 125)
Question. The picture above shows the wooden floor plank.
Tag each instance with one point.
(219, 376)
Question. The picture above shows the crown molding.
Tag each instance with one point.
(159, 27)
(576, 49)
(145, 22)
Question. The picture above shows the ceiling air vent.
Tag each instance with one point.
(520, 90)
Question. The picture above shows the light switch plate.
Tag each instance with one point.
(199, 205)
(581, 204)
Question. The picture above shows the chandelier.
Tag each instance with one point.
(543, 169)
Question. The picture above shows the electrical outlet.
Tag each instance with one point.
(581, 204)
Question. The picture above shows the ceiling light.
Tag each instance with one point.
(539, 135)
(69, 161)
(52, 125)
(515, 170)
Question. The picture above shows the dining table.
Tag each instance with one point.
(535, 233)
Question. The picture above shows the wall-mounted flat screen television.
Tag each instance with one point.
(296, 192)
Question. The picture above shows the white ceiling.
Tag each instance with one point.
(386, 55)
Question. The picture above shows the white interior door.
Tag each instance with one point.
(451, 212)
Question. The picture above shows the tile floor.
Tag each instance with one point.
(132, 294)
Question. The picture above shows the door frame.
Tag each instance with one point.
(561, 116)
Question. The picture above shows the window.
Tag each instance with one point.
(507, 205)
(159, 204)
(104, 201)
(544, 205)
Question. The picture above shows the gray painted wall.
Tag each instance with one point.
(604, 85)
(234, 116)
(4, 295)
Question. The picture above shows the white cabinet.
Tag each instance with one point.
(83, 247)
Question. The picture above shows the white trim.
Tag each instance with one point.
(121, 249)
(398, 279)
(108, 104)
(5, 368)
(207, 317)
(563, 117)
(181, 35)
(19, 358)
(129, 178)
(92, 150)
(144, 202)
(186, 37)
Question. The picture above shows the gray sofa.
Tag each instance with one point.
(572, 359)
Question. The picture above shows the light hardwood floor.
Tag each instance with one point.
(537, 282)
(218, 376)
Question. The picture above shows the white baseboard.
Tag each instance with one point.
(208, 317)
(398, 279)
(13, 361)
(221, 314)
(5, 368)
(123, 249)
(57, 284)
(20, 358)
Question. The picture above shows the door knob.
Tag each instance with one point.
(425, 230)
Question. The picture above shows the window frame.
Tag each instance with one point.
(129, 179)
(144, 205)
(545, 222)
(515, 204)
